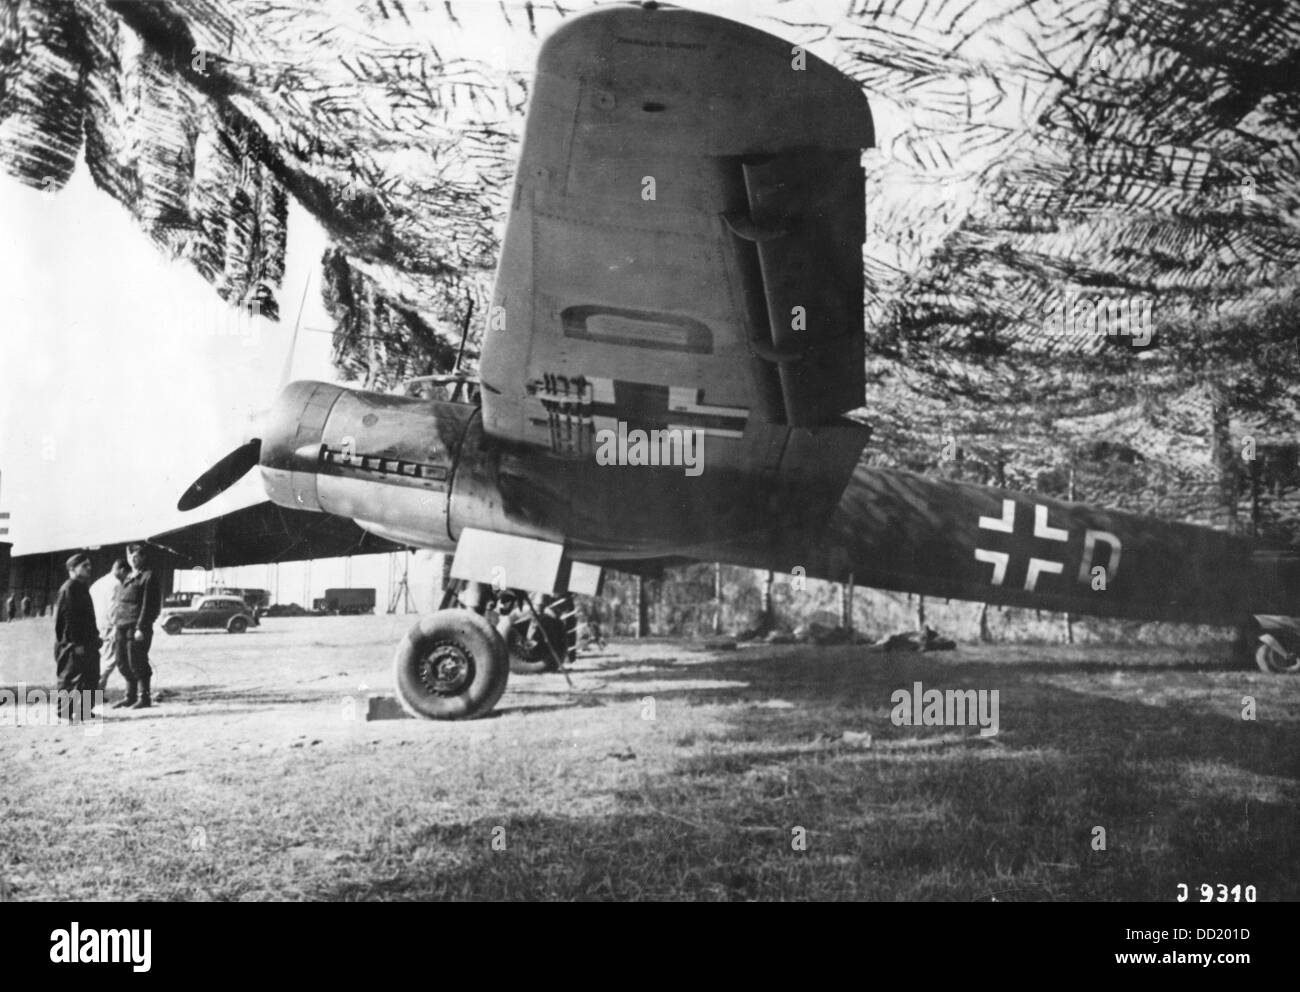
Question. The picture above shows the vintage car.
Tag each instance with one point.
(209, 613)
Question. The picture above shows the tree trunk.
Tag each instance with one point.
(1069, 495)
(920, 615)
(986, 637)
(766, 619)
(5, 547)
(846, 604)
(717, 598)
(1254, 496)
(642, 616)
(1224, 456)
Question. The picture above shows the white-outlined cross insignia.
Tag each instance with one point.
(1006, 524)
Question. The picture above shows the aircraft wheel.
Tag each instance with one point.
(451, 666)
(174, 625)
(1275, 662)
(529, 654)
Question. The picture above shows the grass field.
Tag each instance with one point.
(254, 780)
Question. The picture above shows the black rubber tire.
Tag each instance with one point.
(539, 659)
(462, 635)
(173, 626)
(237, 625)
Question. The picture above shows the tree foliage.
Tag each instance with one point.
(1035, 155)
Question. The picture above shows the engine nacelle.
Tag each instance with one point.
(420, 472)
(387, 462)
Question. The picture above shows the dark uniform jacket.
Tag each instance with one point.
(74, 620)
(139, 601)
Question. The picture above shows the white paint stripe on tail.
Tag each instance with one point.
(602, 390)
(682, 399)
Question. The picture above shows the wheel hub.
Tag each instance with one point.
(447, 669)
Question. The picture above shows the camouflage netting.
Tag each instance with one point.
(1092, 162)
(1045, 165)
(72, 77)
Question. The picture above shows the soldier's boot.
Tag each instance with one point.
(144, 702)
(129, 699)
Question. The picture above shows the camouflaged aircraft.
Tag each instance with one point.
(675, 340)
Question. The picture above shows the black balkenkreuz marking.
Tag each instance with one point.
(646, 406)
(1042, 531)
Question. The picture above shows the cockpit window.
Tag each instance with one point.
(447, 389)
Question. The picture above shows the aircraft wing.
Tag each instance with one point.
(684, 243)
(265, 533)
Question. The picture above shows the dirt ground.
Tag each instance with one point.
(658, 771)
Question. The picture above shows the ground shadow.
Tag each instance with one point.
(1184, 789)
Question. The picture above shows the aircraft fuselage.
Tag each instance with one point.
(421, 472)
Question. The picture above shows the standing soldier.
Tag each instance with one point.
(27, 606)
(11, 612)
(76, 638)
(107, 603)
(139, 602)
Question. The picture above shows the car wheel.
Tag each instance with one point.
(174, 625)
(237, 625)
(451, 666)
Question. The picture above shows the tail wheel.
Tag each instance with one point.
(1275, 661)
(451, 666)
(526, 638)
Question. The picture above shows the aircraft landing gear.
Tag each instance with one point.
(451, 666)
(535, 643)
(538, 640)
(1273, 658)
(1272, 642)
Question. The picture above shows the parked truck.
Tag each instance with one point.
(346, 601)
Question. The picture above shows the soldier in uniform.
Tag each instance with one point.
(27, 607)
(76, 637)
(11, 613)
(139, 602)
(108, 659)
